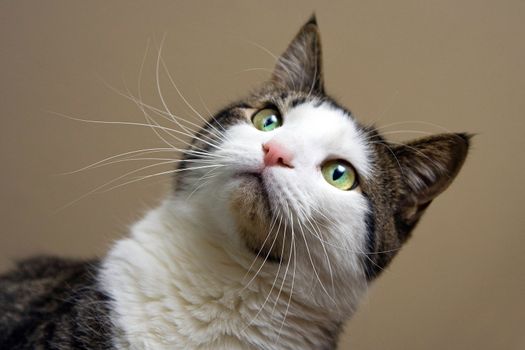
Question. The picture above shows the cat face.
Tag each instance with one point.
(302, 179)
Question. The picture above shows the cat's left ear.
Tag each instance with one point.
(427, 167)
(299, 68)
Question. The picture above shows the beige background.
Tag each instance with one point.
(458, 284)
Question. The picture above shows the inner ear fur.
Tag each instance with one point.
(427, 167)
(299, 68)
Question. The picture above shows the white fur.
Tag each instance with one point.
(184, 279)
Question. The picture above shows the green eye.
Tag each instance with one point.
(340, 174)
(267, 119)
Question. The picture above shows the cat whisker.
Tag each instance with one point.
(131, 159)
(394, 154)
(204, 183)
(288, 71)
(188, 131)
(157, 79)
(267, 254)
(206, 178)
(292, 251)
(303, 213)
(312, 85)
(138, 102)
(317, 234)
(210, 114)
(106, 184)
(274, 280)
(169, 117)
(359, 252)
(334, 246)
(133, 124)
(442, 128)
(415, 150)
(165, 115)
(286, 270)
(255, 69)
(404, 132)
(172, 81)
(151, 121)
(263, 48)
(132, 153)
(194, 134)
(101, 187)
(313, 264)
(389, 104)
(173, 171)
(276, 60)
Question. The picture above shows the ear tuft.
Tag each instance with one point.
(299, 68)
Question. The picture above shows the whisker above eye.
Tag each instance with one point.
(395, 132)
(210, 114)
(264, 49)
(157, 79)
(172, 81)
(141, 104)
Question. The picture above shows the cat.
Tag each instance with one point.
(302, 208)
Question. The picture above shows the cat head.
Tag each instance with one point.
(301, 179)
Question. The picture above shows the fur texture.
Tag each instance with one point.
(49, 303)
(247, 255)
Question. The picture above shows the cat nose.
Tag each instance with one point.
(275, 154)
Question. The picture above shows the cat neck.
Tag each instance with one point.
(175, 284)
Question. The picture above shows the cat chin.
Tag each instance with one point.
(251, 208)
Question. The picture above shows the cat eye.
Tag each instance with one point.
(267, 119)
(340, 174)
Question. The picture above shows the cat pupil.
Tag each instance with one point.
(270, 120)
(338, 172)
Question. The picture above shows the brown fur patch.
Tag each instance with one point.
(251, 210)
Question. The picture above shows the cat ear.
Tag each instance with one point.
(299, 67)
(427, 167)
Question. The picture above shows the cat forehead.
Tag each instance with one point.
(333, 130)
(325, 116)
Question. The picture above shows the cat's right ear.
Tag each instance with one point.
(299, 68)
(427, 167)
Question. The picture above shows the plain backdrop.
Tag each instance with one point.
(411, 67)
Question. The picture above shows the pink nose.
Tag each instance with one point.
(277, 154)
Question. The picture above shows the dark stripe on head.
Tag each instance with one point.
(370, 266)
(297, 101)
